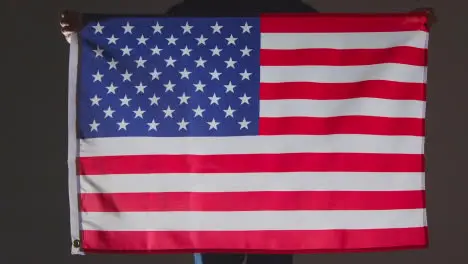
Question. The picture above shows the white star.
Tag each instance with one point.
(230, 87)
(155, 74)
(186, 51)
(245, 75)
(231, 40)
(168, 112)
(122, 124)
(139, 113)
(169, 86)
(98, 77)
(230, 63)
(140, 88)
(112, 40)
(171, 40)
(183, 124)
(126, 76)
(216, 51)
(140, 62)
(187, 28)
(244, 124)
(213, 124)
(246, 28)
(170, 62)
(198, 111)
(98, 52)
(201, 40)
(127, 28)
(245, 99)
(183, 99)
(216, 28)
(98, 28)
(157, 28)
(154, 100)
(215, 75)
(200, 62)
(142, 40)
(109, 112)
(229, 112)
(152, 126)
(199, 86)
(184, 74)
(111, 88)
(214, 99)
(112, 64)
(126, 50)
(94, 126)
(125, 101)
(246, 51)
(95, 100)
(156, 50)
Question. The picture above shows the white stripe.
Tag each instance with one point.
(244, 182)
(343, 74)
(253, 220)
(345, 107)
(73, 182)
(364, 40)
(250, 145)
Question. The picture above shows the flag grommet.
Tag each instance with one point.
(76, 243)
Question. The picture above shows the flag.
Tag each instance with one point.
(278, 133)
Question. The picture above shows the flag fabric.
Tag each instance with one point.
(279, 133)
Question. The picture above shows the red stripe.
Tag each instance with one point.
(335, 91)
(252, 201)
(342, 125)
(333, 57)
(329, 23)
(254, 241)
(357, 162)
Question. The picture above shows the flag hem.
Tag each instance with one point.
(73, 148)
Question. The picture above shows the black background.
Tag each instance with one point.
(34, 216)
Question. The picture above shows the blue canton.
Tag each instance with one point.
(169, 77)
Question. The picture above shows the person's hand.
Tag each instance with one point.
(70, 22)
(431, 17)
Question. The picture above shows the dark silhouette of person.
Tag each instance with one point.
(72, 21)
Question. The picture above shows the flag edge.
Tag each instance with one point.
(73, 147)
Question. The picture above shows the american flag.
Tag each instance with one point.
(278, 133)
